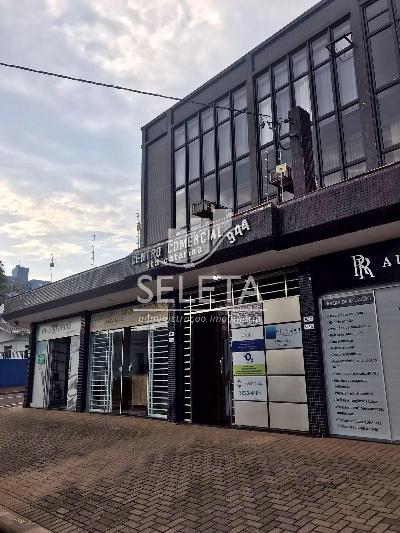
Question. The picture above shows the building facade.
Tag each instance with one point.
(265, 292)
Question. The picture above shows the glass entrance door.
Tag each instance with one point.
(135, 371)
(59, 353)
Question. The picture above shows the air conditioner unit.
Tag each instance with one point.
(282, 175)
(203, 209)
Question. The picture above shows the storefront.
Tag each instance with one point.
(243, 362)
(128, 361)
(56, 364)
(361, 339)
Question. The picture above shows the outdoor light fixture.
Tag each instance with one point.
(216, 277)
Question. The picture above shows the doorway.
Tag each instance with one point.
(59, 356)
(211, 369)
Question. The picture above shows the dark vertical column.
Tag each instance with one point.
(84, 347)
(175, 361)
(252, 123)
(30, 371)
(364, 88)
(302, 152)
(313, 361)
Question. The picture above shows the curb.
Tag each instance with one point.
(13, 523)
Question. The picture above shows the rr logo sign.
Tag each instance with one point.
(361, 266)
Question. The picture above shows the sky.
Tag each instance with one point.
(70, 154)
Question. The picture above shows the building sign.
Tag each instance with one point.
(353, 363)
(40, 359)
(283, 336)
(248, 339)
(57, 330)
(250, 388)
(189, 248)
(249, 363)
(129, 316)
(246, 315)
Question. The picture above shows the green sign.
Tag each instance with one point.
(249, 370)
(40, 359)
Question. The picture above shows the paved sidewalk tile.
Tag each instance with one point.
(90, 473)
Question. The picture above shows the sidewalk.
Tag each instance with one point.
(12, 390)
(95, 473)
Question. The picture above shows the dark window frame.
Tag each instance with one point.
(218, 168)
(394, 25)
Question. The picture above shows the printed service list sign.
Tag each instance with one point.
(249, 363)
(252, 389)
(248, 339)
(247, 315)
(354, 374)
(283, 336)
(249, 381)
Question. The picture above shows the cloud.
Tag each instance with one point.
(70, 153)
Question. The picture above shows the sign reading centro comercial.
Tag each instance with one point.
(189, 248)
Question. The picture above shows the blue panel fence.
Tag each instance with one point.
(13, 372)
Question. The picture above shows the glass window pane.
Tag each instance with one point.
(397, 5)
(193, 128)
(342, 31)
(194, 160)
(180, 200)
(356, 170)
(210, 188)
(323, 85)
(384, 57)
(207, 119)
(264, 85)
(226, 188)
(223, 112)
(241, 135)
(180, 167)
(347, 78)
(336, 177)
(302, 94)
(179, 136)
(208, 152)
(282, 108)
(224, 143)
(389, 110)
(281, 75)
(374, 9)
(379, 22)
(243, 189)
(266, 133)
(240, 99)
(352, 134)
(268, 163)
(392, 157)
(300, 63)
(319, 51)
(330, 148)
(194, 197)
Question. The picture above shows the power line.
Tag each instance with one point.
(136, 91)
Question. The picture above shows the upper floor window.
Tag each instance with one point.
(319, 77)
(211, 159)
(382, 27)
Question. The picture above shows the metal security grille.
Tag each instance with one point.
(100, 372)
(158, 372)
(268, 287)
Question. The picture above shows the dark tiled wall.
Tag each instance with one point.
(313, 361)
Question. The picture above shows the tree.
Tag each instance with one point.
(3, 284)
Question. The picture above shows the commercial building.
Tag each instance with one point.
(281, 182)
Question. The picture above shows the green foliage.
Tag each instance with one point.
(3, 283)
